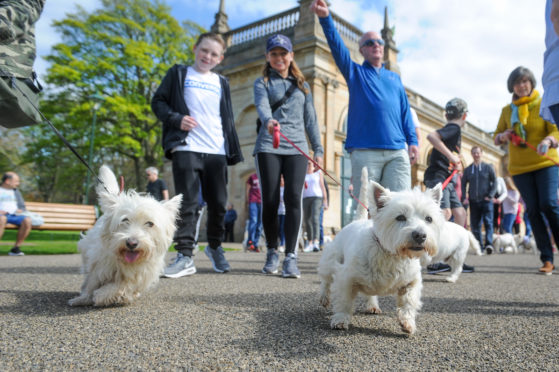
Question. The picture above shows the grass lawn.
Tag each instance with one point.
(50, 242)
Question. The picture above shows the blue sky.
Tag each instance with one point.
(448, 48)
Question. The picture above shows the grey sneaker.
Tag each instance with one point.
(182, 266)
(290, 269)
(272, 262)
(216, 256)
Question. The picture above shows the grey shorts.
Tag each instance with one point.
(450, 198)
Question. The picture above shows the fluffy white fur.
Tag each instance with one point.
(381, 256)
(453, 247)
(505, 243)
(123, 254)
(528, 244)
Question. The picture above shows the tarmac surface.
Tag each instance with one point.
(502, 317)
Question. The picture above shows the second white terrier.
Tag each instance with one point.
(381, 256)
(505, 243)
(453, 247)
(123, 254)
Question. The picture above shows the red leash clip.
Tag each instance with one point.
(276, 137)
(516, 140)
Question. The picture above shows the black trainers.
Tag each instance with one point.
(15, 251)
(467, 268)
(438, 267)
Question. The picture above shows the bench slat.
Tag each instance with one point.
(58, 216)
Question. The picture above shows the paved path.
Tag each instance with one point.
(504, 316)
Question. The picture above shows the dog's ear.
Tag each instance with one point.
(362, 213)
(173, 204)
(379, 196)
(437, 193)
(108, 183)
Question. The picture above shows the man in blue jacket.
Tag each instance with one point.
(379, 123)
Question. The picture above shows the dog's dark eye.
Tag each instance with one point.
(401, 218)
(429, 219)
(149, 224)
(125, 220)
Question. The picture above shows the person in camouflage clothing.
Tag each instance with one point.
(17, 54)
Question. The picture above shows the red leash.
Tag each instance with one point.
(517, 140)
(446, 182)
(276, 142)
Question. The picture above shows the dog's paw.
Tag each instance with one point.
(373, 310)
(340, 321)
(451, 279)
(80, 301)
(408, 326)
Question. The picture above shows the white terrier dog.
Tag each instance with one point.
(380, 256)
(505, 243)
(453, 247)
(123, 254)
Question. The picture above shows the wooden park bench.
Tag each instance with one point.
(76, 217)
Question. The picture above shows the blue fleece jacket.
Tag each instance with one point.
(379, 112)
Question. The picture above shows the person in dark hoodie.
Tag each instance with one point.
(199, 137)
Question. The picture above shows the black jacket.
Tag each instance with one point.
(482, 180)
(169, 106)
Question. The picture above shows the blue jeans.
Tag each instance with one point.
(508, 222)
(482, 212)
(254, 222)
(539, 192)
(281, 229)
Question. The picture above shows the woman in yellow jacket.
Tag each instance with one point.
(535, 173)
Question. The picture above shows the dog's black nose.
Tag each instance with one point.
(419, 237)
(131, 243)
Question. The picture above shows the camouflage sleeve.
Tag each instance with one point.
(17, 17)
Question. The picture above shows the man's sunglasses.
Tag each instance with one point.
(371, 42)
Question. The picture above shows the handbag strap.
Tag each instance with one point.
(288, 93)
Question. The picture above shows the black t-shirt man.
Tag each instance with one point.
(156, 188)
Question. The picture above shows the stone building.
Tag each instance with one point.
(243, 63)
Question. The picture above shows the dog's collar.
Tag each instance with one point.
(381, 246)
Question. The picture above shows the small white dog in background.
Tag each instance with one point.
(124, 253)
(380, 256)
(453, 248)
(505, 243)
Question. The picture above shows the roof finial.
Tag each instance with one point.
(220, 25)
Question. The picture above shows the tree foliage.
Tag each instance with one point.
(120, 52)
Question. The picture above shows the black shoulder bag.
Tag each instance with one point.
(278, 104)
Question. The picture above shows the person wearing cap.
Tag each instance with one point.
(199, 137)
(445, 157)
(294, 118)
(549, 109)
(379, 122)
(534, 173)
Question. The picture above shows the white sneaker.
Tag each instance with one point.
(308, 248)
(281, 248)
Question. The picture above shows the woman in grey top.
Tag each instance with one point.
(294, 118)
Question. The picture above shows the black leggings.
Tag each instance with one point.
(270, 168)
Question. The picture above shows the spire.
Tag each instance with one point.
(220, 25)
(390, 50)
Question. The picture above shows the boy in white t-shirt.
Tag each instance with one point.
(199, 137)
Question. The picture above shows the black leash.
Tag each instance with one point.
(14, 84)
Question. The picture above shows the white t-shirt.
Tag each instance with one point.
(202, 94)
(312, 185)
(8, 201)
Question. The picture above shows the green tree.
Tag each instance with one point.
(121, 52)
